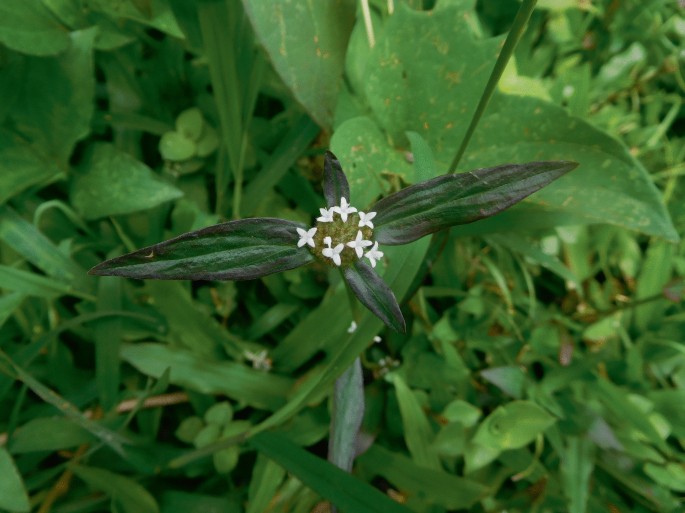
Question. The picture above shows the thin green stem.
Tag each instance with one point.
(513, 37)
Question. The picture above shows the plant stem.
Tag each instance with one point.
(513, 37)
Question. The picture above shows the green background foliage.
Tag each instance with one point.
(543, 366)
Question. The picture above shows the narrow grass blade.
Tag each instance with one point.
(513, 37)
(343, 490)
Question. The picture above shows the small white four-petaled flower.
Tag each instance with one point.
(326, 215)
(344, 209)
(358, 244)
(332, 253)
(374, 255)
(365, 219)
(306, 237)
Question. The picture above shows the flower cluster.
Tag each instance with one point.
(336, 240)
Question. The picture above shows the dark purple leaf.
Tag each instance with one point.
(463, 198)
(335, 184)
(374, 294)
(237, 250)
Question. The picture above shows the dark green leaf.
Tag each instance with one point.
(335, 184)
(13, 494)
(132, 497)
(55, 103)
(29, 27)
(237, 250)
(448, 200)
(204, 375)
(427, 485)
(375, 294)
(21, 166)
(342, 489)
(116, 183)
(309, 36)
(49, 434)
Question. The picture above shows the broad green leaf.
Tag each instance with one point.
(418, 433)
(513, 425)
(237, 250)
(428, 485)
(361, 147)
(452, 199)
(54, 114)
(375, 294)
(131, 496)
(21, 166)
(610, 186)
(510, 426)
(346, 418)
(27, 26)
(335, 186)
(13, 496)
(175, 146)
(189, 123)
(306, 36)
(115, 183)
(426, 73)
(237, 381)
(49, 434)
(342, 489)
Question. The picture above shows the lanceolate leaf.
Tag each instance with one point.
(238, 250)
(335, 184)
(459, 199)
(375, 294)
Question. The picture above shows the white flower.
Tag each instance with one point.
(333, 253)
(259, 360)
(344, 209)
(365, 219)
(358, 244)
(306, 237)
(377, 339)
(352, 328)
(374, 255)
(326, 215)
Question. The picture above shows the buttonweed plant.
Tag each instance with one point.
(247, 249)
